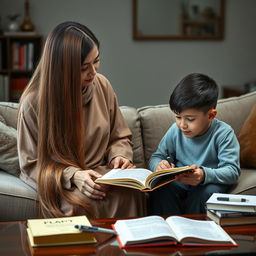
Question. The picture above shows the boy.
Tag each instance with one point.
(197, 138)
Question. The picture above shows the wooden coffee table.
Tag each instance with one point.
(13, 241)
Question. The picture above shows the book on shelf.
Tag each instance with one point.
(58, 231)
(1, 56)
(18, 85)
(22, 56)
(141, 179)
(4, 87)
(231, 202)
(175, 230)
(30, 56)
(241, 218)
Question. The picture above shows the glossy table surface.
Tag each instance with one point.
(13, 241)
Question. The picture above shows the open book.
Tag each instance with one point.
(141, 179)
(156, 231)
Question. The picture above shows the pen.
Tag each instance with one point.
(169, 159)
(83, 228)
(232, 199)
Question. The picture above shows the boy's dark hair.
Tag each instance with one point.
(196, 91)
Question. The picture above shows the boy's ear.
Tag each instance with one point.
(212, 113)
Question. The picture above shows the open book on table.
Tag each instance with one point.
(156, 231)
(141, 179)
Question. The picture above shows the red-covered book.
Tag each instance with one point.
(175, 230)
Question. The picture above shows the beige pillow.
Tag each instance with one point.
(2, 119)
(9, 161)
(247, 140)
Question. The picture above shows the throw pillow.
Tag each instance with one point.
(2, 119)
(247, 140)
(9, 160)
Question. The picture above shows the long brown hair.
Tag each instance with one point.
(57, 82)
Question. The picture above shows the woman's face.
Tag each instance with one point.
(89, 67)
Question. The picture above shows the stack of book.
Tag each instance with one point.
(230, 209)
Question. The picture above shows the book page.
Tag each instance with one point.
(137, 174)
(143, 230)
(205, 230)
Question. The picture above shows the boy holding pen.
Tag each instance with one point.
(199, 139)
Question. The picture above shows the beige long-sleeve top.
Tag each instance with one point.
(106, 133)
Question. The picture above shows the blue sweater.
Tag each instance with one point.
(216, 151)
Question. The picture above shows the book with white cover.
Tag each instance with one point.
(232, 202)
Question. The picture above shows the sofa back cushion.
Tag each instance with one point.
(155, 121)
(235, 111)
(9, 161)
(132, 119)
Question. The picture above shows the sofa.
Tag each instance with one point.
(148, 124)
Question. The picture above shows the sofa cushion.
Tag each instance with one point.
(234, 111)
(14, 186)
(9, 111)
(247, 140)
(2, 119)
(9, 161)
(155, 121)
(18, 201)
(132, 119)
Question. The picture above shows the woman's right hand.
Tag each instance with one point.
(84, 180)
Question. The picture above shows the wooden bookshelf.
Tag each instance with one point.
(203, 28)
(19, 55)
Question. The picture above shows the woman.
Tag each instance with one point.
(71, 131)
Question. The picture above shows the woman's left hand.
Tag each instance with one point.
(121, 162)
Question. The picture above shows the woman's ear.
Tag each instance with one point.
(212, 113)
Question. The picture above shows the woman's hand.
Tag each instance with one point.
(164, 164)
(193, 177)
(121, 162)
(84, 180)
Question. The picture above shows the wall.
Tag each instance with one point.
(145, 72)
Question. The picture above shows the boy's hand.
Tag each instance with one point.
(193, 178)
(164, 164)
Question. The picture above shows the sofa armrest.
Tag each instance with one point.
(17, 199)
(246, 184)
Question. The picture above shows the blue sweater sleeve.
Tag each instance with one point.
(228, 168)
